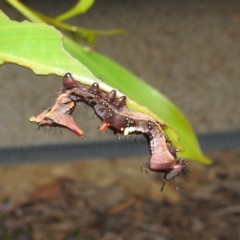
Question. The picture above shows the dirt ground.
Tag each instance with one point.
(113, 200)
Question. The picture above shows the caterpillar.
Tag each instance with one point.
(116, 116)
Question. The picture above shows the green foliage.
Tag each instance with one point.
(36, 46)
(81, 7)
(39, 47)
(78, 33)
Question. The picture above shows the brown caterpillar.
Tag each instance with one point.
(118, 117)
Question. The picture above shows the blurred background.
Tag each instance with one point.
(188, 50)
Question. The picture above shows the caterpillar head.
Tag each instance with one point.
(171, 174)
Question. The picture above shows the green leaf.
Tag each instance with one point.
(88, 35)
(38, 47)
(81, 7)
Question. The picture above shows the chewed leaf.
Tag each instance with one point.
(81, 7)
(38, 47)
